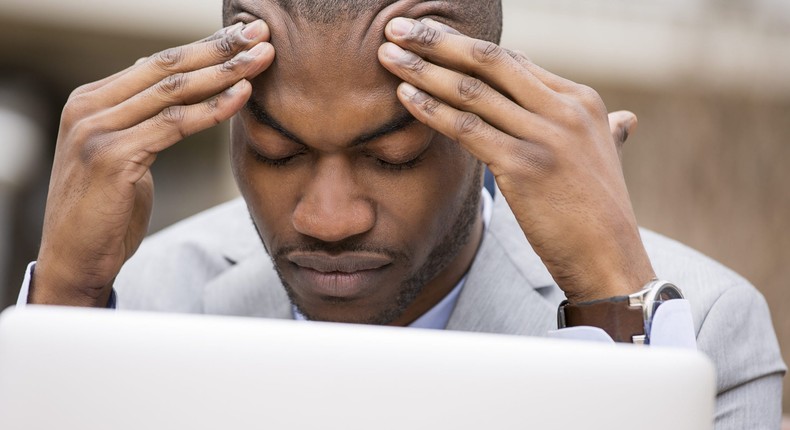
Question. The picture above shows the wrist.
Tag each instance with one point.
(625, 318)
(47, 288)
(610, 274)
(594, 288)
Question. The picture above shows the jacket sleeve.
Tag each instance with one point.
(738, 336)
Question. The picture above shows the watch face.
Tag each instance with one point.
(668, 292)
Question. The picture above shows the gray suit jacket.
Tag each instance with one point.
(215, 263)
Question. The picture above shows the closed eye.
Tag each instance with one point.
(274, 162)
(405, 165)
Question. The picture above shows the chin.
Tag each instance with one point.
(368, 310)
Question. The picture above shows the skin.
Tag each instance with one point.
(312, 187)
(343, 200)
(547, 142)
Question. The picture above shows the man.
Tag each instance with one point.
(359, 136)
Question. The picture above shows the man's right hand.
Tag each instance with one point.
(101, 189)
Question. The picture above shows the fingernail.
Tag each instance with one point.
(408, 90)
(253, 29)
(236, 87)
(433, 24)
(401, 26)
(257, 50)
(436, 25)
(393, 51)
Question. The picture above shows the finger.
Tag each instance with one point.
(481, 139)
(102, 82)
(177, 122)
(622, 124)
(217, 35)
(188, 88)
(556, 83)
(182, 59)
(553, 81)
(439, 26)
(474, 57)
(222, 32)
(458, 90)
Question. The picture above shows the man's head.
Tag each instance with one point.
(368, 215)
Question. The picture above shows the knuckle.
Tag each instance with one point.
(219, 33)
(212, 107)
(487, 53)
(88, 140)
(430, 105)
(589, 98)
(416, 64)
(427, 36)
(173, 85)
(169, 59)
(572, 113)
(173, 115)
(225, 46)
(519, 56)
(77, 106)
(467, 123)
(79, 91)
(81, 133)
(470, 90)
(231, 65)
(212, 104)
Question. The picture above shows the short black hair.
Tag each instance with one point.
(481, 19)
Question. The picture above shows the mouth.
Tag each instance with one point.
(344, 276)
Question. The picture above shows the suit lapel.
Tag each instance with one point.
(250, 286)
(508, 289)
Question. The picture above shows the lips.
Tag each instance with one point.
(341, 276)
(344, 263)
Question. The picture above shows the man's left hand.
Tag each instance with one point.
(548, 142)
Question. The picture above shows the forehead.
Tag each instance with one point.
(326, 80)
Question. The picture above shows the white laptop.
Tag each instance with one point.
(66, 368)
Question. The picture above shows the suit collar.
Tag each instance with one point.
(250, 285)
(508, 289)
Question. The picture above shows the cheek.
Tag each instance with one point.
(419, 208)
(270, 196)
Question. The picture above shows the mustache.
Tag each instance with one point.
(338, 248)
(307, 244)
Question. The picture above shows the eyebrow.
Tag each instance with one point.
(398, 123)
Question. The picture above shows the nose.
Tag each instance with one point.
(332, 206)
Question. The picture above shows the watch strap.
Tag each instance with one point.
(615, 315)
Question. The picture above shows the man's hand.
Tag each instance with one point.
(101, 190)
(547, 141)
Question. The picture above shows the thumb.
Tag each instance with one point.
(622, 124)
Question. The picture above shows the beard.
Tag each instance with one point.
(445, 251)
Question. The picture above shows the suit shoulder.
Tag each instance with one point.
(689, 268)
(703, 280)
(223, 228)
(172, 266)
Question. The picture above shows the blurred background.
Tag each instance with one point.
(709, 80)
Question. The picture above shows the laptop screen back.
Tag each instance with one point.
(96, 369)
